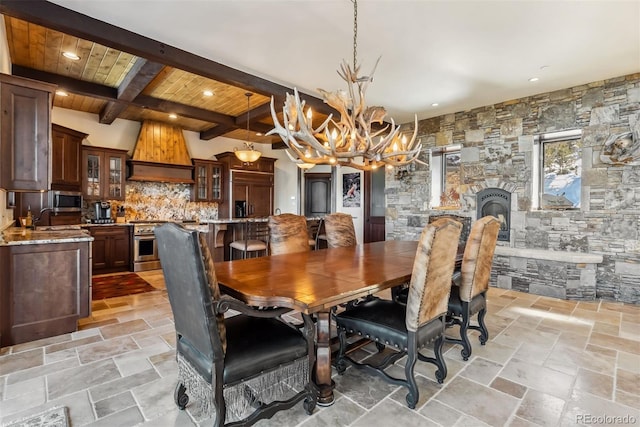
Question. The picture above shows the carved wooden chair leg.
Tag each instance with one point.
(180, 396)
(341, 363)
(414, 393)
(482, 327)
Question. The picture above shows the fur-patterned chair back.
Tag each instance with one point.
(288, 234)
(478, 257)
(432, 271)
(339, 230)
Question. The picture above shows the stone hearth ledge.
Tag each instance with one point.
(547, 255)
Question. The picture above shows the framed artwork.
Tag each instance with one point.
(351, 194)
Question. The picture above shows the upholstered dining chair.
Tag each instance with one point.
(464, 220)
(254, 239)
(409, 328)
(469, 293)
(339, 230)
(245, 367)
(288, 234)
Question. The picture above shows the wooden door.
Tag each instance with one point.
(317, 194)
(375, 206)
(120, 248)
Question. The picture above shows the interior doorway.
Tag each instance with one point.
(374, 206)
(317, 194)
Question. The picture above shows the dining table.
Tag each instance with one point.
(315, 282)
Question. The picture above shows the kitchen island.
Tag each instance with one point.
(45, 282)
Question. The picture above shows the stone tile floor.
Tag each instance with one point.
(548, 362)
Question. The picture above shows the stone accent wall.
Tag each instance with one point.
(497, 150)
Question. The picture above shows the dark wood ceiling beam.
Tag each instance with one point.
(165, 106)
(106, 93)
(213, 132)
(56, 17)
(68, 84)
(138, 77)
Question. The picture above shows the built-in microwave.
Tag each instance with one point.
(65, 201)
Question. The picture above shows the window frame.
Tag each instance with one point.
(538, 164)
(437, 162)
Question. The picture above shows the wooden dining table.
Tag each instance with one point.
(316, 281)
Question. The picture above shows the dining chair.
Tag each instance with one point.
(339, 230)
(313, 229)
(409, 328)
(464, 220)
(288, 234)
(469, 293)
(254, 240)
(245, 367)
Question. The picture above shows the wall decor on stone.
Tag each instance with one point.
(621, 149)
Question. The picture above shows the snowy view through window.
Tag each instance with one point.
(562, 174)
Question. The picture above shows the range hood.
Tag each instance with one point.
(160, 155)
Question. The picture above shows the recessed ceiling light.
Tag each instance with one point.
(534, 79)
(208, 93)
(173, 116)
(435, 104)
(61, 93)
(71, 55)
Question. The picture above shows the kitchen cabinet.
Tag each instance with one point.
(25, 136)
(111, 251)
(66, 145)
(252, 183)
(103, 173)
(208, 176)
(44, 290)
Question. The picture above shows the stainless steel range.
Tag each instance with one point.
(145, 248)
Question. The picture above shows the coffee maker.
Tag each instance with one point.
(103, 213)
(241, 208)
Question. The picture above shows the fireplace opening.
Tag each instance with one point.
(496, 202)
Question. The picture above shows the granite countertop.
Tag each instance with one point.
(62, 234)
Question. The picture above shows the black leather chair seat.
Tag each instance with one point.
(384, 321)
(253, 344)
(476, 304)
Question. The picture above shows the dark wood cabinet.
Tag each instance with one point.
(208, 177)
(250, 182)
(44, 290)
(103, 173)
(111, 251)
(256, 190)
(25, 136)
(66, 155)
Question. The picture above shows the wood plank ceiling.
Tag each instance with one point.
(125, 75)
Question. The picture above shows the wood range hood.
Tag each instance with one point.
(160, 155)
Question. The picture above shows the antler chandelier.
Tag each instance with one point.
(353, 140)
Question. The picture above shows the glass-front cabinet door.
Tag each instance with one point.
(103, 173)
(116, 171)
(92, 178)
(208, 181)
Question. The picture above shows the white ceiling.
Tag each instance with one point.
(459, 54)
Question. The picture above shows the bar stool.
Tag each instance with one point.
(255, 235)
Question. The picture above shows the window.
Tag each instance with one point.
(445, 176)
(558, 170)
